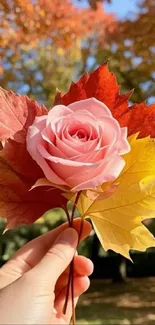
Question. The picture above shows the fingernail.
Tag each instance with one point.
(69, 236)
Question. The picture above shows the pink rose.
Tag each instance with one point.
(78, 146)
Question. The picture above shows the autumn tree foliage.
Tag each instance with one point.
(44, 44)
(130, 49)
(40, 43)
(137, 36)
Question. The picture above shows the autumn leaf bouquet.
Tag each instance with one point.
(90, 148)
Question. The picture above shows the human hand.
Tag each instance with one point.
(33, 282)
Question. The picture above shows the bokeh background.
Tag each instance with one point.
(44, 45)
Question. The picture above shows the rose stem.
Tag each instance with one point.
(72, 277)
(72, 293)
(68, 216)
(71, 269)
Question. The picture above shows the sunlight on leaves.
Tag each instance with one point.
(117, 219)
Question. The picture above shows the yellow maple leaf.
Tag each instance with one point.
(117, 219)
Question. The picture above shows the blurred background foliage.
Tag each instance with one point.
(41, 43)
(44, 44)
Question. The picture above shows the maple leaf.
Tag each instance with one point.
(140, 118)
(102, 85)
(18, 171)
(117, 219)
(17, 113)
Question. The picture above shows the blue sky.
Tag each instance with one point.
(122, 8)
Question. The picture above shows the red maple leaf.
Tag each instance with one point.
(18, 171)
(140, 118)
(102, 85)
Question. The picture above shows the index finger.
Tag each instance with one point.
(30, 254)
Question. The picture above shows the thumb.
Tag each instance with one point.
(57, 258)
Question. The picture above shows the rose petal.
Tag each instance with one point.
(93, 156)
(33, 139)
(106, 171)
(83, 117)
(65, 162)
(45, 182)
(56, 113)
(52, 149)
(123, 144)
(88, 129)
(91, 105)
(110, 126)
(65, 172)
(48, 135)
(111, 134)
(65, 148)
(82, 147)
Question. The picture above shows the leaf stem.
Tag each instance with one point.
(74, 207)
(81, 229)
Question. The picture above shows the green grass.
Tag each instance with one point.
(127, 303)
